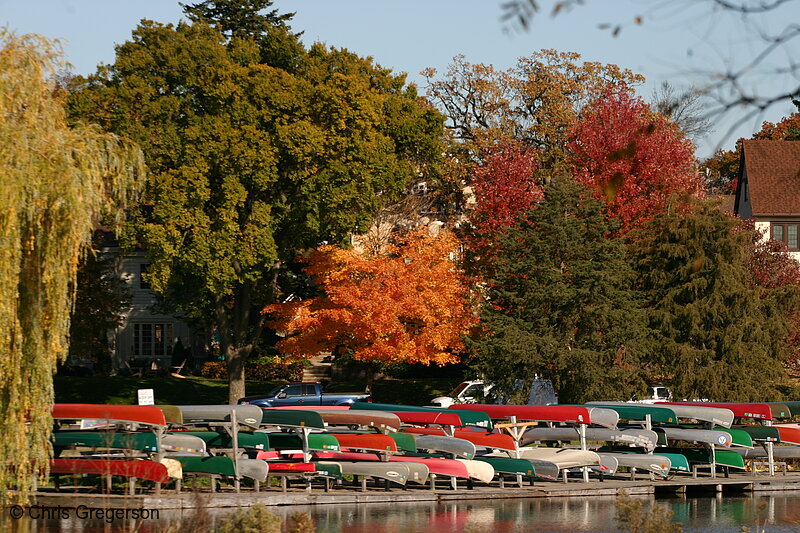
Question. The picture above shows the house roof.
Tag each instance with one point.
(773, 176)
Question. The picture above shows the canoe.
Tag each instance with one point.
(138, 468)
(145, 441)
(498, 441)
(253, 468)
(381, 420)
(207, 465)
(761, 433)
(634, 437)
(461, 448)
(679, 462)
(395, 472)
(172, 414)
(417, 471)
(703, 456)
(178, 442)
(571, 414)
(405, 442)
(174, 468)
(562, 457)
(637, 412)
(437, 466)
(608, 465)
(278, 467)
(247, 415)
(291, 418)
(366, 441)
(508, 465)
(140, 414)
(468, 418)
(778, 452)
(793, 406)
(657, 464)
(789, 433)
(294, 441)
(780, 410)
(245, 439)
(718, 417)
(760, 411)
(479, 470)
(705, 436)
(328, 469)
(423, 418)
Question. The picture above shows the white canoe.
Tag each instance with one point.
(778, 452)
(715, 415)
(705, 436)
(634, 437)
(253, 468)
(658, 464)
(395, 472)
(483, 472)
(562, 457)
(247, 415)
(174, 467)
(451, 445)
(175, 442)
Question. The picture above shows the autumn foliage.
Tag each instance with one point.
(406, 304)
(504, 186)
(632, 158)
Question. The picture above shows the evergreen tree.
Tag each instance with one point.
(560, 304)
(718, 334)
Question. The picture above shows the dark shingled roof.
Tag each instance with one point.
(773, 176)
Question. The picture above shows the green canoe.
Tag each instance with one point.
(658, 414)
(332, 470)
(292, 418)
(294, 441)
(508, 465)
(793, 406)
(145, 441)
(406, 442)
(679, 461)
(245, 439)
(207, 465)
(468, 418)
(703, 455)
(762, 433)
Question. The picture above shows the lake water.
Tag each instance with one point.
(776, 512)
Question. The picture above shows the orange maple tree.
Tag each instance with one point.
(408, 303)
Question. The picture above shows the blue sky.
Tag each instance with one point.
(679, 41)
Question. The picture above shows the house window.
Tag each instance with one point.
(152, 340)
(143, 270)
(787, 233)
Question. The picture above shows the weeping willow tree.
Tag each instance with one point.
(56, 182)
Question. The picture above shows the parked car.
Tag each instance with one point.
(478, 391)
(304, 394)
(656, 393)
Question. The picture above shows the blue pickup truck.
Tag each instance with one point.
(304, 394)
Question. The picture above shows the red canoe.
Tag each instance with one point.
(279, 468)
(429, 417)
(440, 467)
(141, 414)
(571, 414)
(498, 441)
(141, 469)
(790, 433)
(760, 411)
(366, 441)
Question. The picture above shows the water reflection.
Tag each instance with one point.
(777, 512)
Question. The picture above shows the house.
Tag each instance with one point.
(768, 190)
(145, 335)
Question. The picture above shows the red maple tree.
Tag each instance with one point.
(632, 158)
(408, 303)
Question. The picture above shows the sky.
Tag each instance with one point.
(683, 42)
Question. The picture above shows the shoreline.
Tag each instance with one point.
(736, 484)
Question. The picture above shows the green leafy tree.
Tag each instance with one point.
(101, 299)
(55, 181)
(253, 163)
(559, 303)
(718, 334)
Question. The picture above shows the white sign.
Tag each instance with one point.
(146, 397)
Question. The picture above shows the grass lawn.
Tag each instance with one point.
(202, 391)
(167, 390)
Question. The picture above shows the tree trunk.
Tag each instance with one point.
(235, 358)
